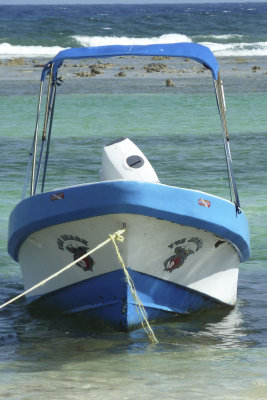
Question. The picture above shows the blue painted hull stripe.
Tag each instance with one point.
(117, 308)
(128, 197)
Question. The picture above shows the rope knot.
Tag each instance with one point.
(117, 236)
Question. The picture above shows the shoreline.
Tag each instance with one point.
(18, 75)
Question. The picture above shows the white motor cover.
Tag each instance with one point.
(122, 159)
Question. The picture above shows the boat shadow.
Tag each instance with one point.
(78, 324)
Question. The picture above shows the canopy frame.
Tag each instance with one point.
(197, 52)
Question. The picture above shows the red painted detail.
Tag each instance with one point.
(204, 203)
(57, 196)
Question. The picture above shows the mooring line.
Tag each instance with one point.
(138, 304)
(117, 236)
(49, 278)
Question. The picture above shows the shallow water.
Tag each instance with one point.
(218, 354)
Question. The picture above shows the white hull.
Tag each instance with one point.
(186, 256)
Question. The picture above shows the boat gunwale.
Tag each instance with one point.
(129, 197)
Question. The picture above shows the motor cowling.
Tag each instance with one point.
(122, 159)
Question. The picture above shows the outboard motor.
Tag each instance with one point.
(122, 159)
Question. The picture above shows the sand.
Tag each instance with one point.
(140, 74)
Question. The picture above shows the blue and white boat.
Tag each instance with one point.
(182, 247)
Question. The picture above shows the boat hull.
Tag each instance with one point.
(176, 267)
(107, 300)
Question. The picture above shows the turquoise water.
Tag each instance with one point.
(211, 355)
(217, 355)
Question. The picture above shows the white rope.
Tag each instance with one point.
(118, 234)
(139, 306)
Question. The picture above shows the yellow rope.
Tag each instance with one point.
(119, 234)
(138, 304)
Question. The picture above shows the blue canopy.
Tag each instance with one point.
(194, 51)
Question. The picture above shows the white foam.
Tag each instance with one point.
(91, 41)
(231, 49)
(219, 49)
(237, 49)
(9, 51)
(223, 37)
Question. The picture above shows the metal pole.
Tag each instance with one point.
(49, 136)
(222, 111)
(34, 147)
(48, 102)
(27, 173)
(49, 118)
(46, 118)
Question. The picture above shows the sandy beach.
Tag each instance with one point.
(138, 74)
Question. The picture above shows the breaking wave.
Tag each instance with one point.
(237, 49)
(9, 51)
(229, 36)
(90, 41)
(221, 45)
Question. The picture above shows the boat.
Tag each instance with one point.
(182, 247)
